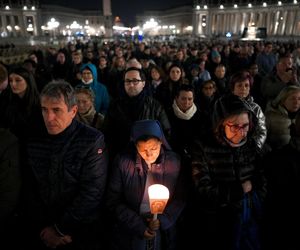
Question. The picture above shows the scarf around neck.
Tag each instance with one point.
(184, 115)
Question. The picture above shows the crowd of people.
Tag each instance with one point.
(87, 128)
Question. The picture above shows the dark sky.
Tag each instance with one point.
(126, 9)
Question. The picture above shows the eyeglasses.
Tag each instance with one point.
(133, 81)
(234, 128)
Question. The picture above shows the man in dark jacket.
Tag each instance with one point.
(68, 168)
(124, 111)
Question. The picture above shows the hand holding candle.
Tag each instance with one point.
(158, 196)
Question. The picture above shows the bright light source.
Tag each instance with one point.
(228, 35)
(198, 7)
(235, 6)
(264, 4)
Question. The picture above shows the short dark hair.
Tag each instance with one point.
(56, 89)
(142, 74)
(185, 87)
(239, 77)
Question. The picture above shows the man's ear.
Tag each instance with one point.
(74, 110)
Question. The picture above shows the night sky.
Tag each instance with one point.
(126, 9)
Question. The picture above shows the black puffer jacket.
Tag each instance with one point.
(220, 169)
(68, 177)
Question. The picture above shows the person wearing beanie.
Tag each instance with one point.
(147, 160)
(224, 170)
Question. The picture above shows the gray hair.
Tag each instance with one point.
(284, 94)
(58, 89)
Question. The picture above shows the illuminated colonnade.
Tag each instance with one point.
(280, 20)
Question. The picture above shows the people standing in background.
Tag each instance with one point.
(89, 80)
(240, 85)
(280, 115)
(125, 110)
(86, 110)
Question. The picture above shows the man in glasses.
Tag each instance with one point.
(135, 105)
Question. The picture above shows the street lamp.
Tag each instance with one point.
(52, 25)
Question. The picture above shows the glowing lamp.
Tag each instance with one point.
(158, 196)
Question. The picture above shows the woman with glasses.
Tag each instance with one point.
(224, 169)
(240, 85)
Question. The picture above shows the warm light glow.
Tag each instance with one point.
(158, 191)
(265, 4)
(235, 6)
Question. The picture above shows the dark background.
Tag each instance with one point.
(125, 9)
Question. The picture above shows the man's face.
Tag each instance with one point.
(87, 75)
(56, 115)
(76, 59)
(185, 100)
(133, 83)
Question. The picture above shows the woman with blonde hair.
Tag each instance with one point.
(86, 109)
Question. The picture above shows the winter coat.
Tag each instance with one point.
(125, 194)
(68, 178)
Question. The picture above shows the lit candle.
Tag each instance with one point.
(158, 197)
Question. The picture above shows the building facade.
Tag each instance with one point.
(279, 19)
(29, 18)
